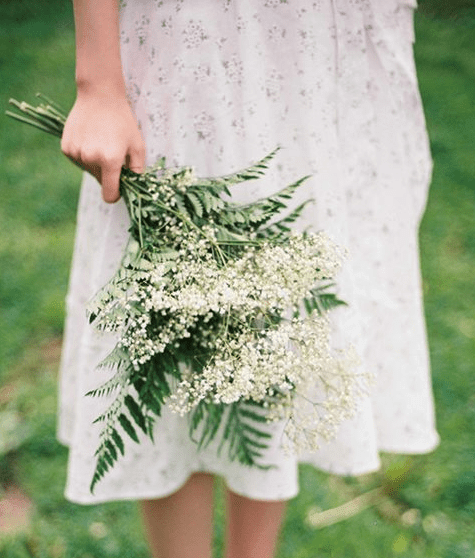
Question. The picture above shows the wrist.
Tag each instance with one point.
(110, 87)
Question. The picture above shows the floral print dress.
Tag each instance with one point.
(217, 85)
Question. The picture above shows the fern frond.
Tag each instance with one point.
(196, 416)
(195, 203)
(280, 226)
(108, 387)
(111, 444)
(106, 455)
(180, 204)
(117, 440)
(285, 193)
(211, 416)
(221, 184)
(127, 426)
(135, 412)
(118, 357)
(235, 217)
(259, 212)
(225, 236)
(242, 434)
(324, 300)
(210, 199)
(111, 450)
(252, 414)
(152, 385)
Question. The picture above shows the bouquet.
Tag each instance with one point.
(220, 313)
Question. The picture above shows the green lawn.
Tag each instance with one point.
(428, 505)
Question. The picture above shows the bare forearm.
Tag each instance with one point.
(98, 64)
(101, 133)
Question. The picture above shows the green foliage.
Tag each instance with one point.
(322, 299)
(245, 439)
(202, 202)
(243, 426)
(151, 388)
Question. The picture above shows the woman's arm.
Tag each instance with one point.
(101, 132)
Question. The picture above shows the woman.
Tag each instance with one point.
(217, 85)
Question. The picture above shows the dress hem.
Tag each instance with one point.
(422, 448)
(152, 495)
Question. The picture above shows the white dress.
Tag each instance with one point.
(217, 84)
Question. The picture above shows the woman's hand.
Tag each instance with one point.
(101, 134)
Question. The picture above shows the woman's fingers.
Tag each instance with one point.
(105, 171)
(109, 179)
(135, 159)
(110, 171)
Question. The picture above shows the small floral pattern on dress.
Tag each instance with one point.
(218, 84)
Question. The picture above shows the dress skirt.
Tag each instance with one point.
(217, 85)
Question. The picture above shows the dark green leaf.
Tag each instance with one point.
(247, 413)
(135, 412)
(127, 426)
(117, 440)
(111, 449)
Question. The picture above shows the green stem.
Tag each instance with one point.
(50, 118)
(33, 122)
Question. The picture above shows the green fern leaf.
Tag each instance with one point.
(150, 424)
(281, 225)
(195, 203)
(117, 440)
(118, 381)
(214, 414)
(108, 458)
(111, 449)
(309, 305)
(324, 300)
(127, 426)
(229, 425)
(196, 417)
(288, 191)
(244, 440)
(206, 200)
(211, 202)
(249, 414)
(255, 443)
(251, 430)
(181, 205)
(225, 236)
(103, 464)
(135, 412)
(222, 184)
(95, 479)
(217, 204)
(152, 391)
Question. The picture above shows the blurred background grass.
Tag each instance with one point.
(426, 504)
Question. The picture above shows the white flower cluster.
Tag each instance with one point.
(238, 317)
(256, 366)
(160, 306)
(292, 371)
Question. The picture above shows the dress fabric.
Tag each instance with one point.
(217, 85)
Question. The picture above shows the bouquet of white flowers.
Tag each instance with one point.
(220, 312)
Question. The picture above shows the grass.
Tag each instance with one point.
(428, 504)
(39, 188)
